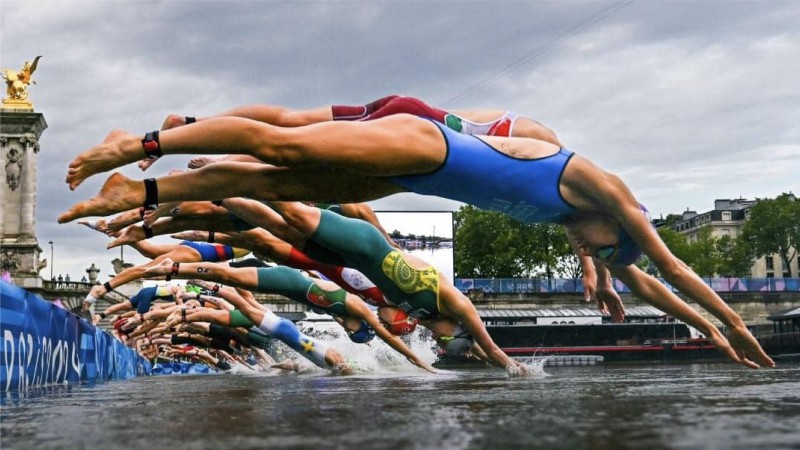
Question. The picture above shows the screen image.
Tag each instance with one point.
(426, 234)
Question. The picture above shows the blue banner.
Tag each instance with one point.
(44, 344)
(569, 285)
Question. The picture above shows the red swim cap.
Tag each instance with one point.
(401, 323)
(119, 323)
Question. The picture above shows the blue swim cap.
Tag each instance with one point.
(364, 334)
(627, 250)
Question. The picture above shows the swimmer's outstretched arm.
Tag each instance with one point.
(652, 291)
(126, 218)
(209, 315)
(683, 278)
(589, 187)
(143, 329)
(454, 305)
(113, 309)
(230, 298)
(168, 225)
(258, 214)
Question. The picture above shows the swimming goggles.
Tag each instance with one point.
(606, 252)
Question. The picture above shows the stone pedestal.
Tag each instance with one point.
(12, 103)
(19, 151)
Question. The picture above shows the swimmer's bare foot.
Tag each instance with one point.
(200, 161)
(145, 164)
(129, 235)
(118, 148)
(119, 193)
(97, 225)
(161, 269)
(173, 121)
(163, 210)
(193, 235)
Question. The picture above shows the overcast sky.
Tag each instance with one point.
(687, 101)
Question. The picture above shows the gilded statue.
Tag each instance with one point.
(17, 82)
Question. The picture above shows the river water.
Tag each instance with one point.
(687, 406)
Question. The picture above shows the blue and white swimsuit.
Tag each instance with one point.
(476, 173)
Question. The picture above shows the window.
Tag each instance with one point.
(725, 232)
(726, 215)
(770, 262)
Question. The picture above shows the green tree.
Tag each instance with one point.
(490, 244)
(544, 250)
(774, 228)
(485, 244)
(735, 257)
(702, 255)
(676, 242)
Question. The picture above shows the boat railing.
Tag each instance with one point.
(780, 339)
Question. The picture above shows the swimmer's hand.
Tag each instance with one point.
(430, 369)
(422, 365)
(287, 364)
(609, 302)
(723, 345)
(517, 369)
(747, 348)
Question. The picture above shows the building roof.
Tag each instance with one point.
(735, 208)
(789, 314)
(635, 311)
(733, 205)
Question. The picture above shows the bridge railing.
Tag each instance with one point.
(67, 286)
(575, 285)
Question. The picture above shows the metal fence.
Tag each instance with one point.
(573, 285)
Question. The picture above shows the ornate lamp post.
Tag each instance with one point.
(52, 262)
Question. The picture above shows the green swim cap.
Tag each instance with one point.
(194, 288)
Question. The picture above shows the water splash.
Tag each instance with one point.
(375, 357)
(529, 367)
